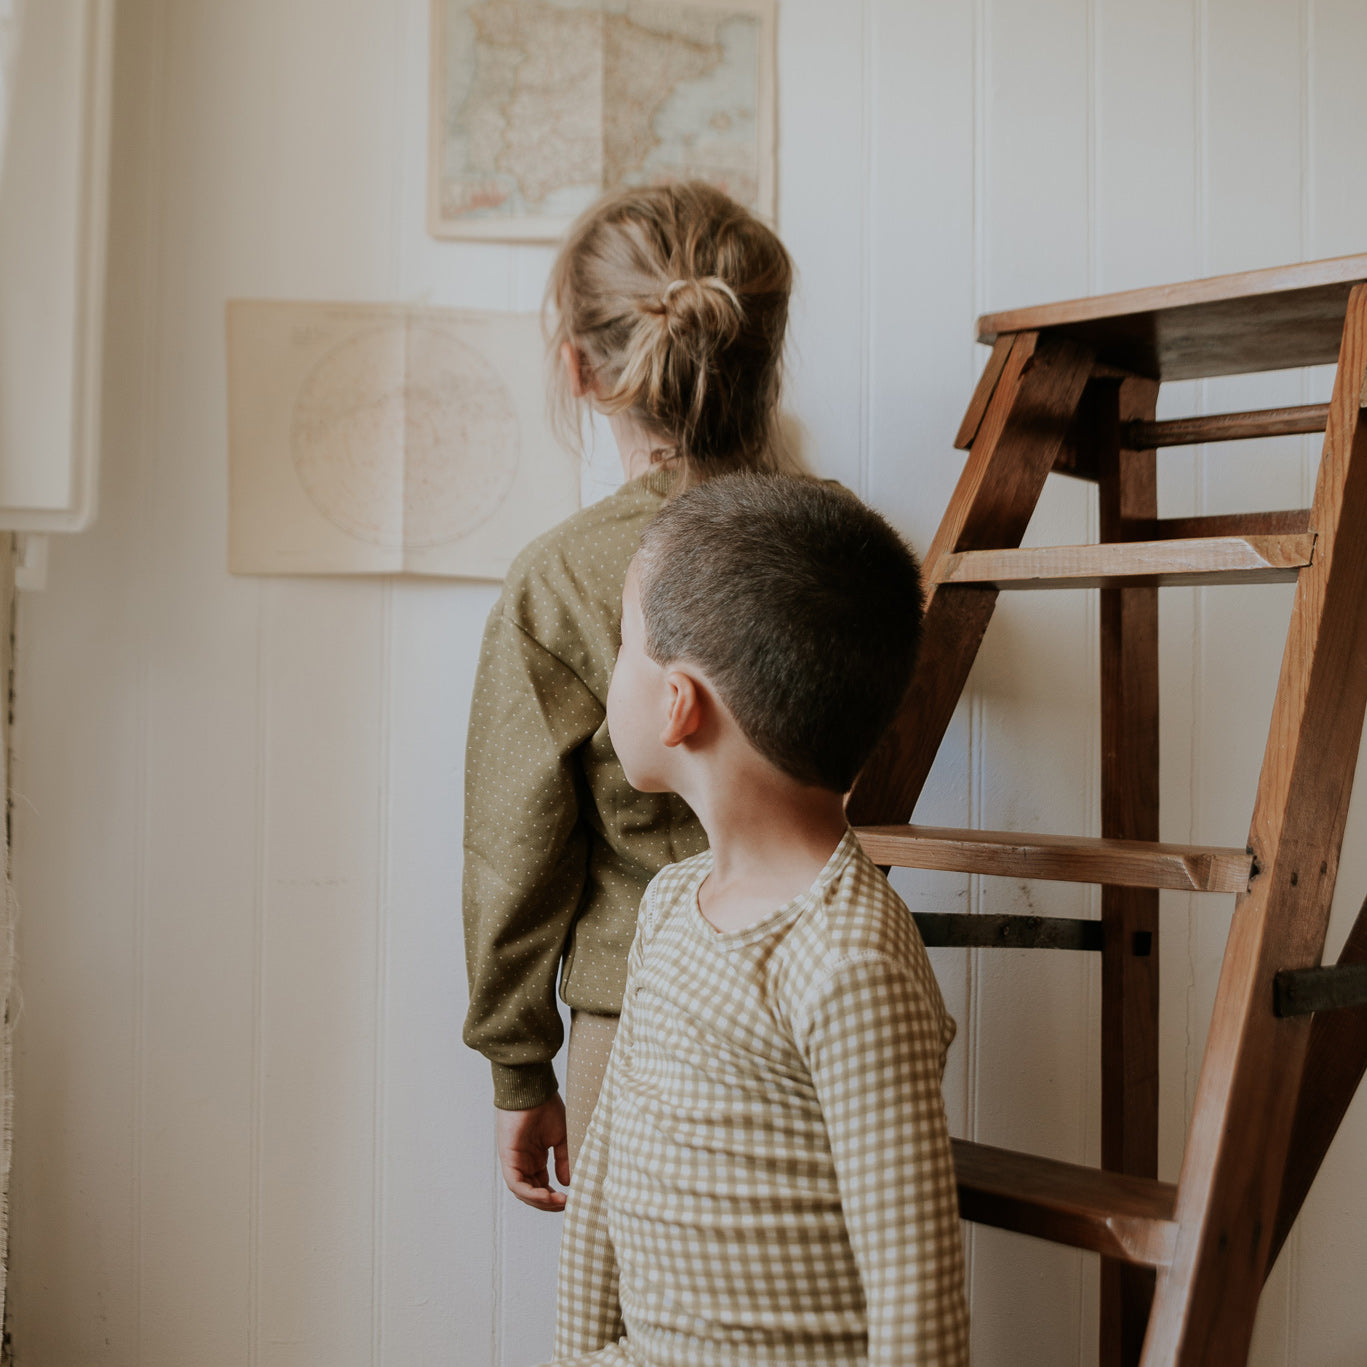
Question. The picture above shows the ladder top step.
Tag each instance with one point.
(1201, 560)
(1060, 858)
(1119, 1216)
(1223, 325)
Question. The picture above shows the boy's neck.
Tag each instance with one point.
(770, 837)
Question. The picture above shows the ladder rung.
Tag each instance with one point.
(1288, 522)
(1264, 422)
(1061, 858)
(1110, 1213)
(1204, 560)
(966, 930)
(1331, 987)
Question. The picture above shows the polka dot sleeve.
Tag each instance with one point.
(526, 852)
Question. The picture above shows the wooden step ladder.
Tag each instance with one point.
(1072, 388)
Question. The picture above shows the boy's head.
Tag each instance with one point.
(800, 605)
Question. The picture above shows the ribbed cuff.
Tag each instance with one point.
(520, 1086)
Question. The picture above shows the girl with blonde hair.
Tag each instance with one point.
(666, 310)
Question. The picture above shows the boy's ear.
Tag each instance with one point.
(686, 706)
(573, 361)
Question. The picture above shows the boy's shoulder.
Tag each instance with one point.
(861, 915)
(856, 916)
(857, 919)
(670, 888)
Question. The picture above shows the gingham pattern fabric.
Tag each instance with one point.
(767, 1179)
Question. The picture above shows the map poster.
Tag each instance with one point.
(384, 439)
(541, 106)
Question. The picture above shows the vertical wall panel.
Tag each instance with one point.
(1036, 685)
(318, 991)
(439, 1275)
(1147, 164)
(1253, 110)
(1144, 136)
(73, 1245)
(439, 1174)
(823, 66)
(198, 654)
(325, 767)
(923, 362)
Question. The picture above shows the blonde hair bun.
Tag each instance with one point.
(708, 305)
(675, 299)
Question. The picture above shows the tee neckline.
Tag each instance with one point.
(780, 915)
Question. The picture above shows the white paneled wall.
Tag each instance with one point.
(247, 1131)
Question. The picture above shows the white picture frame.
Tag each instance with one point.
(54, 209)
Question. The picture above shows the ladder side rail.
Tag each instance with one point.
(983, 391)
(1128, 493)
(1251, 1073)
(1022, 429)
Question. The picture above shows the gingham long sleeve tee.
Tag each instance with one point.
(767, 1179)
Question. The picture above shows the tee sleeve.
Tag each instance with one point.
(526, 853)
(874, 1045)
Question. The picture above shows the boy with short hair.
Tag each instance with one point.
(767, 1179)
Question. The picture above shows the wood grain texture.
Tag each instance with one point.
(1108, 1213)
(982, 393)
(1284, 522)
(1147, 435)
(1223, 325)
(1213, 560)
(1060, 858)
(1128, 490)
(1251, 1073)
(1030, 411)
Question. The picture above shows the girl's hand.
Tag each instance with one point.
(524, 1139)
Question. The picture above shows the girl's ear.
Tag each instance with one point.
(573, 361)
(686, 707)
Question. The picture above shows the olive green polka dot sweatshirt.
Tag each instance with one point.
(558, 846)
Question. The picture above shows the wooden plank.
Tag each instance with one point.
(982, 393)
(1202, 560)
(963, 930)
(1018, 439)
(1128, 490)
(1109, 1213)
(1146, 435)
(1224, 325)
(1060, 858)
(1335, 1062)
(1283, 522)
(1251, 1073)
